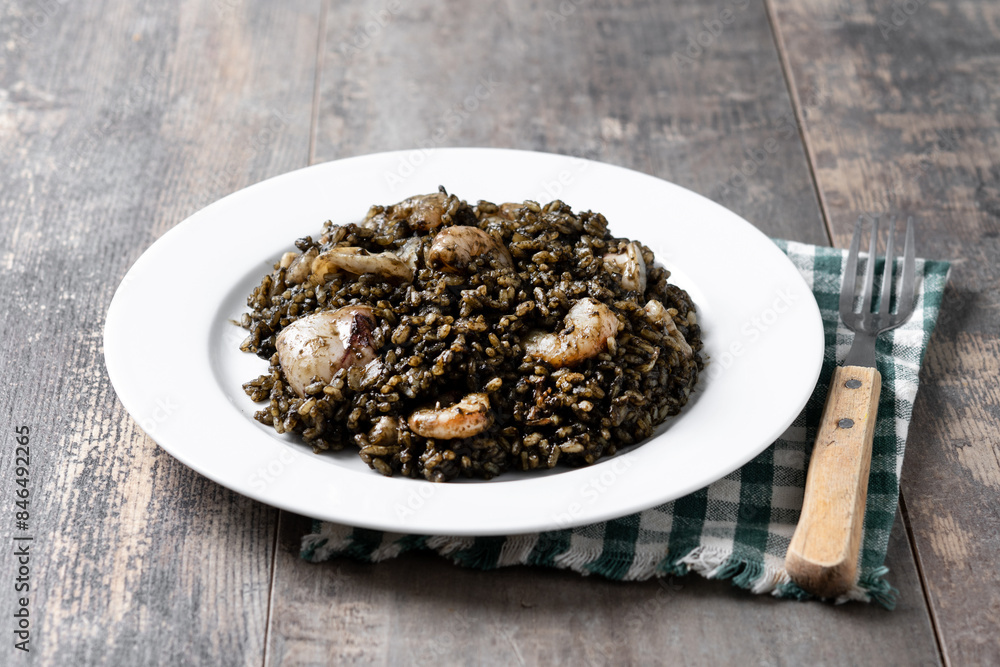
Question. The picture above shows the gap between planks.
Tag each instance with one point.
(310, 159)
(317, 79)
(931, 612)
(797, 109)
(799, 112)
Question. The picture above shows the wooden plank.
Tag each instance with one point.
(598, 80)
(117, 121)
(420, 609)
(604, 80)
(907, 119)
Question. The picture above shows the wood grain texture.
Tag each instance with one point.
(602, 83)
(823, 554)
(422, 610)
(603, 80)
(906, 118)
(117, 121)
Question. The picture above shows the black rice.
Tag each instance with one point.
(448, 334)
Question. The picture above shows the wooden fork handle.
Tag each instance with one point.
(823, 555)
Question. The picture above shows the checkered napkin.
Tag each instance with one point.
(739, 527)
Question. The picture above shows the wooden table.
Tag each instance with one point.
(120, 119)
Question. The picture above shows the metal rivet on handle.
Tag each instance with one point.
(845, 423)
(852, 384)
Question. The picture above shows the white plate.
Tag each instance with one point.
(172, 354)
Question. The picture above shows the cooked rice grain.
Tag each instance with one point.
(449, 334)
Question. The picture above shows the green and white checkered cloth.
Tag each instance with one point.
(739, 527)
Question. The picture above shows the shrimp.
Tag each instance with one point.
(315, 347)
(463, 419)
(423, 211)
(455, 248)
(660, 315)
(588, 326)
(359, 261)
(630, 265)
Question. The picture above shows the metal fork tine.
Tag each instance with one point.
(906, 292)
(868, 286)
(850, 275)
(886, 293)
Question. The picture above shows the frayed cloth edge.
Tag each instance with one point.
(331, 540)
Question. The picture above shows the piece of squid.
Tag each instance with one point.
(587, 327)
(510, 210)
(317, 346)
(630, 265)
(464, 419)
(384, 432)
(423, 211)
(659, 315)
(297, 265)
(409, 253)
(359, 261)
(454, 248)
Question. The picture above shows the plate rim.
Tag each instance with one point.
(594, 514)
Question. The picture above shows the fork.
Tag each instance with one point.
(822, 557)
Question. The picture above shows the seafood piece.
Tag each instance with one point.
(319, 345)
(361, 377)
(510, 210)
(423, 211)
(587, 327)
(410, 253)
(464, 419)
(454, 248)
(385, 432)
(359, 261)
(375, 219)
(297, 266)
(659, 315)
(630, 265)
